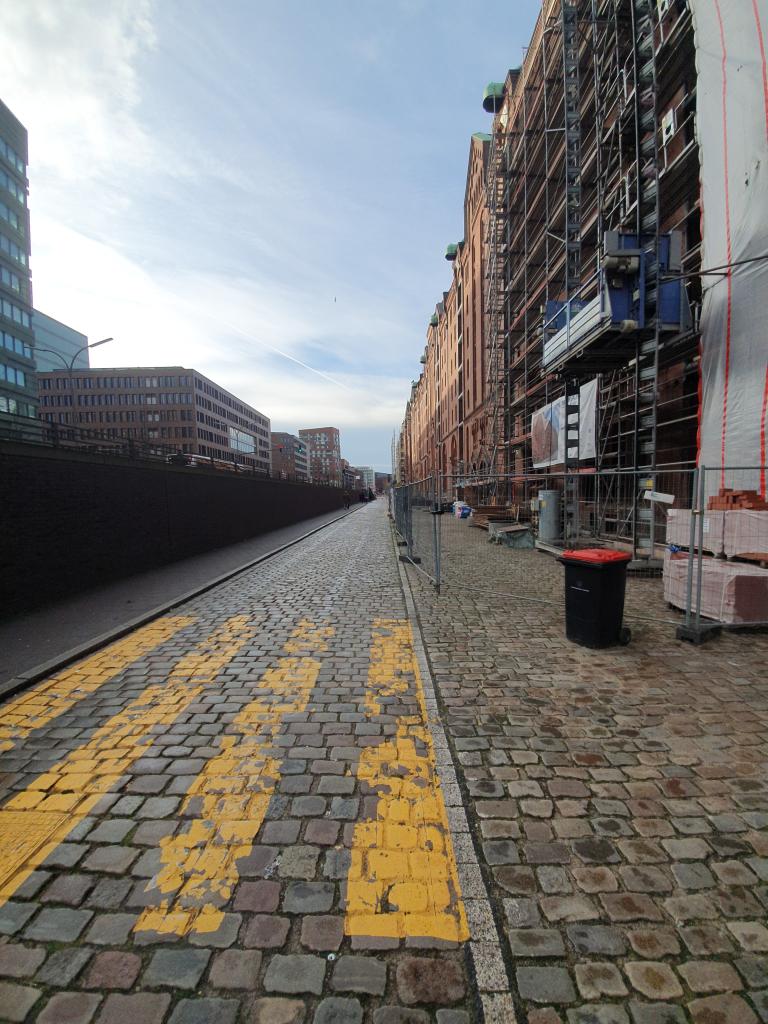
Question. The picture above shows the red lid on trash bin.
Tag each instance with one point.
(597, 555)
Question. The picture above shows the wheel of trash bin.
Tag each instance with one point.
(625, 636)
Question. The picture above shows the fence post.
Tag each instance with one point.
(691, 548)
(436, 532)
(702, 500)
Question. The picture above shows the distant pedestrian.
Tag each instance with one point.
(347, 499)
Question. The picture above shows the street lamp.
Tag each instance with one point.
(70, 365)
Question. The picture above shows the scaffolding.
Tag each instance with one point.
(593, 166)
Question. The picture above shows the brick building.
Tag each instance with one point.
(171, 405)
(324, 444)
(290, 458)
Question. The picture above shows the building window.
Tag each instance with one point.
(12, 312)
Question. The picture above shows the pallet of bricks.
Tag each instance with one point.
(734, 583)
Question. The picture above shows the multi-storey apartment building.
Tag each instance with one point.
(290, 458)
(18, 394)
(171, 405)
(324, 445)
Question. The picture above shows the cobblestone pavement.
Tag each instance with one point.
(247, 811)
(239, 813)
(618, 797)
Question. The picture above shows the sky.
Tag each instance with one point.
(260, 190)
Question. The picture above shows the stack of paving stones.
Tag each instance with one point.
(68, 950)
(618, 798)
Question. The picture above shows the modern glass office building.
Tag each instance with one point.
(58, 346)
(18, 389)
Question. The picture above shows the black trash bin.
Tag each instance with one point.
(595, 581)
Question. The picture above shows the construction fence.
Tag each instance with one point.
(698, 540)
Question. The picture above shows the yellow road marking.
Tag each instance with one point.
(403, 880)
(43, 703)
(199, 866)
(36, 820)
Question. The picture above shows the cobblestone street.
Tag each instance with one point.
(275, 806)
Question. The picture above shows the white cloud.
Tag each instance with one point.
(70, 75)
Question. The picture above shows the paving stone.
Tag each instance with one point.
(322, 832)
(205, 1011)
(222, 937)
(536, 942)
(17, 1000)
(453, 1017)
(275, 1010)
(113, 970)
(653, 942)
(751, 935)
(569, 908)
(63, 966)
(359, 974)
(522, 913)
(58, 925)
(13, 916)
(266, 931)
(113, 859)
(338, 1011)
(149, 1008)
(516, 879)
(753, 969)
(299, 862)
(17, 961)
(235, 968)
(308, 897)
(597, 939)
(113, 830)
(596, 980)
(71, 888)
(595, 1013)
(545, 984)
(630, 907)
(501, 851)
(693, 876)
(726, 1009)
(70, 1008)
(295, 973)
(653, 979)
(260, 897)
(709, 976)
(111, 929)
(400, 1015)
(176, 968)
(427, 980)
(656, 1013)
(596, 851)
(322, 933)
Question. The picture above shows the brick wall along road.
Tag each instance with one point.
(235, 813)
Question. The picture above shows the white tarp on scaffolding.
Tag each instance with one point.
(732, 119)
(548, 429)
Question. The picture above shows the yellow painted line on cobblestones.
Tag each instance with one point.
(36, 820)
(403, 881)
(39, 706)
(199, 866)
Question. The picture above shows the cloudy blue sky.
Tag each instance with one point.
(261, 190)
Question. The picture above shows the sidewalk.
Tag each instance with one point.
(50, 632)
(619, 798)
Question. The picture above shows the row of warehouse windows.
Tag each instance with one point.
(95, 383)
(162, 399)
(12, 157)
(13, 251)
(220, 396)
(14, 344)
